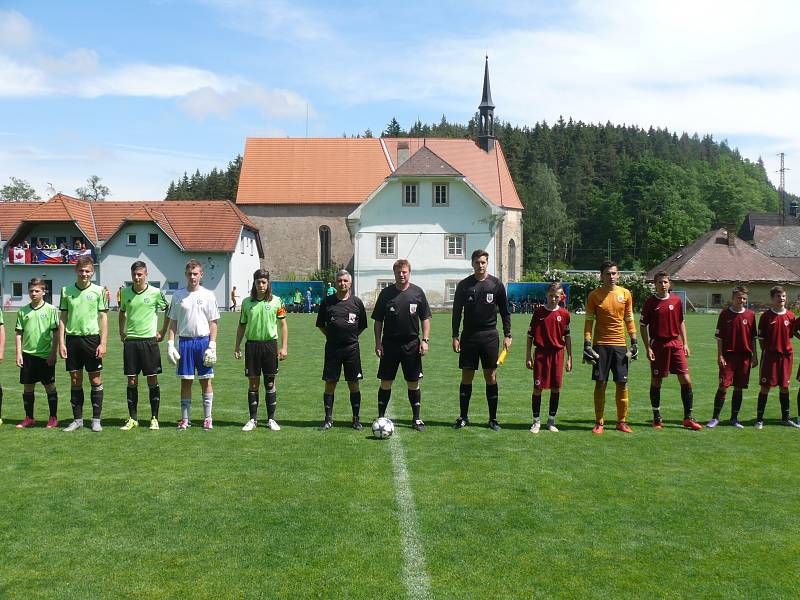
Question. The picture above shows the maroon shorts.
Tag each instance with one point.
(670, 358)
(736, 371)
(776, 369)
(548, 369)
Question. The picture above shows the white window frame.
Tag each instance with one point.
(446, 187)
(150, 239)
(404, 198)
(381, 284)
(378, 253)
(132, 239)
(13, 285)
(450, 289)
(252, 244)
(452, 236)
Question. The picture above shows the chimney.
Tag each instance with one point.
(402, 152)
(731, 237)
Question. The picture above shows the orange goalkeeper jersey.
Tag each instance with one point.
(610, 313)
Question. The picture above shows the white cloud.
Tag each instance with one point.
(20, 80)
(272, 103)
(157, 81)
(16, 32)
(273, 19)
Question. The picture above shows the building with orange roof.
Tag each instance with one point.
(365, 202)
(163, 234)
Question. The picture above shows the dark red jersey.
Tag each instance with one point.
(662, 317)
(776, 331)
(737, 330)
(548, 327)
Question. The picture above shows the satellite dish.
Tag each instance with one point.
(50, 191)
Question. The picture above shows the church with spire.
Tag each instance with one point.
(366, 202)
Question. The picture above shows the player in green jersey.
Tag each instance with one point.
(83, 333)
(37, 348)
(261, 313)
(138, 330)
(2, 353)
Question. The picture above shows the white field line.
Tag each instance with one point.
(415, 574)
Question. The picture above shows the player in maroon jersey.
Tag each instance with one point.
(736, 353)
(549, 333)
(775, 330)
(663, 333)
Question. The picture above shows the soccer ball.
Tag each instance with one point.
(382, 428)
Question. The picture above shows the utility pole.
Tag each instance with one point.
(782, 186)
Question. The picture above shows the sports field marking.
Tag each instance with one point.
(415, 573)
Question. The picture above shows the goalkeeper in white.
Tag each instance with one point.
(194, 314)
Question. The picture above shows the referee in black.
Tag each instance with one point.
(479, 296)
(397, 314)
(341, 319)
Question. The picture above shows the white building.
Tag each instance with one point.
(163, 234)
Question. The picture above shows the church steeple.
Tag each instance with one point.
(486, 109)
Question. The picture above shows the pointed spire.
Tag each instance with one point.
(486, 100)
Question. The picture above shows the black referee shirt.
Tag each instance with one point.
(343, 320)
(480, 301)
(401, 312)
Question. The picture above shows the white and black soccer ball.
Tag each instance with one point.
(382, 428)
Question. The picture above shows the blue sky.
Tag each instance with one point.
(140, 94)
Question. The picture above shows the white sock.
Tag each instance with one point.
(208, 400)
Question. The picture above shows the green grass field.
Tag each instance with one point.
(304, 514)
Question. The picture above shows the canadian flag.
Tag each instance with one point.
(18, 255)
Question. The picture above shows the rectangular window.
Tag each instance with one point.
(455, 245)
(383, 283)
(440, 194)
(16, 289)
(61, 240)
(410, 194)
(716, 299)
(155, 284)
(172, 285)
(386, 246)
(153, 241)
(450, 289)
(252, 246)
(131, 239)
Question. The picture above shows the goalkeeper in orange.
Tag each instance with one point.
(609, 313)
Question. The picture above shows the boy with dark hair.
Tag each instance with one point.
(138, 329)
(480, 296)
(609, 313)
(663, 333)
(775, 330)
(549, 333)
(37, 352)
(83, 333)
(736, 353)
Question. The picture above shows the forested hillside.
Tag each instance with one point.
(593, 190)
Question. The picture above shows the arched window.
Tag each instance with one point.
(512, 260)
(324, 247)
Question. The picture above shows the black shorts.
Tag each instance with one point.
(397, 353)
(337, 357)
(479, 346)
(36, 370)
(141, 356)
(612, 359)
(261, 357)
(81, 350)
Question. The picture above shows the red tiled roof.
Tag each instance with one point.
(348, 170)
(12, 214)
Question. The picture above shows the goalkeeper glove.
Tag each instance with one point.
(210, 355)
(634, 351)
(172, 352)
(589, 354)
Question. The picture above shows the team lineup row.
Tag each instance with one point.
(78, 332)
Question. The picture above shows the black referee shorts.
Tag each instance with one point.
(81, 350)
(400, 353)
(614, 360)
(260, 357)
(36, 370)
(141, 356)
(479, 347)
(337, 357)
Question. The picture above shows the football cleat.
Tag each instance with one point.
(26, 422)
(250, 425)
(736, 423)
(658, 423)
(494, 425)
(551, 426)
(536, 427)
(1, 421)
(130, 424)
(759, 425)
(208, 424)
(712, 423)
(96, 427)
(787, 423)
(460, 423)
(357, 424)
(623, 427)
(154, 424)
(418, 425)
(326, 425)
(598, 429)
(52, 423)
(183, 424)
(74, 426)
(273, 425)
(692, 424)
